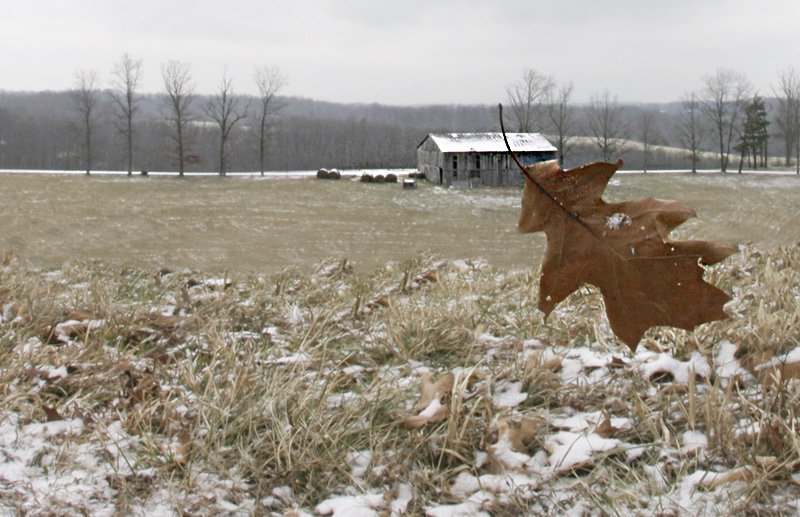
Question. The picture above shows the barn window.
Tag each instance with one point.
(455, 165)
(477, 161)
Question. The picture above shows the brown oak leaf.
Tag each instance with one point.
(430, 409)
(623, 249)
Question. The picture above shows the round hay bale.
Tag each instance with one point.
(323, 174)
(391, 178)
(367, 178)
(334, 175)
(380, 179)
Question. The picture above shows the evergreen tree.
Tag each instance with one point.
(754, 136)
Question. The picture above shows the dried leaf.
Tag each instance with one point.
(773, 376)
(87, 418)
(82, 315)
(605, 429)
(432, 390)
(180, 447)
(140, 387)
(764, 465)
(52, 414)
(509, 447)
(621, 248)
(431, 407)
(553, 364)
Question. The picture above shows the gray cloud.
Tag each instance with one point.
(411, 52)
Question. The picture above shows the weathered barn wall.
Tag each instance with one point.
(476, 168)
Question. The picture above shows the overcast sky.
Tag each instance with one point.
(405, 52)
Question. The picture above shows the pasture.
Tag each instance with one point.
(202, 346)
(267, 224)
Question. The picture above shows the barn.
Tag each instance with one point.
(479, 159)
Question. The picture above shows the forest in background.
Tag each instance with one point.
(40, 130)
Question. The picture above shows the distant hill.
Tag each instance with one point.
(38, 131)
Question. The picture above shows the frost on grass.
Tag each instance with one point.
(427, 387)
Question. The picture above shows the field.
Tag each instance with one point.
(264, 225)
(203, 347)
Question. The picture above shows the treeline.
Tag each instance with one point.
(40, 131)
(727, 119)
(44, 130)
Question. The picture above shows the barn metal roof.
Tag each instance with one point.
(490, 142)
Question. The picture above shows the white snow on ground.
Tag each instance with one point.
(728, 367)
(509, 394)
(72, 466)
(61, 464)
(651, 363)
(583, 421)
(693, 442)
(574, 450)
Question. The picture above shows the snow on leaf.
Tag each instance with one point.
(179, 448)
(509, 450)
(572, 450)
(621, 248)
(593, 420)
(430, 409)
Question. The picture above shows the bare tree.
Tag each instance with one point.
(270, 80)
(127, 76)
(726, 94)
(180, 95)
(528, 100)
(607, 125)
(647, 133)
(787, 117)
(690, 130)
(86, 100)
(224, 109)
(562, 119)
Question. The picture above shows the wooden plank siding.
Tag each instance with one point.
(475, 168)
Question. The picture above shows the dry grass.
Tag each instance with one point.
(262, 225)
(213, 395)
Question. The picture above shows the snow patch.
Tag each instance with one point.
(509, 395)
(572, 450)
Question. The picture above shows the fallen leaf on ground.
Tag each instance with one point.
(509, 447)
(52, 414)
(605, 429)
(774, 375)
(764, 464)
(430, 409)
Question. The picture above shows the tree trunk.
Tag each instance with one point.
(130, 147)
(222, 156)
(88, 146)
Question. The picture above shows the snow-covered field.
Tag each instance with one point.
(423, 387)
